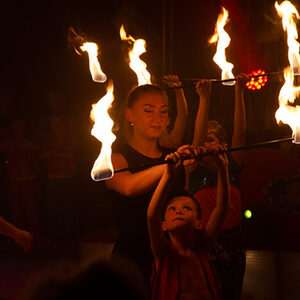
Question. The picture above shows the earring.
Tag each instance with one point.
(131, 123)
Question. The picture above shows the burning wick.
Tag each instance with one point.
(95, 69)
(102, 130)
(287, 113)
(103, 124)
(79, 44)
(223, 40)
(136, 64)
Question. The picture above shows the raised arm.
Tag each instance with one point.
(239, 128)
(174, 138)
(156, 206)
(218, 215)
(133, 184)
(203, 89)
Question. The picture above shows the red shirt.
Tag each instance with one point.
(207, 198)
(165, 281)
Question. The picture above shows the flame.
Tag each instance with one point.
(223, 40)
(95, 69)
(136, 64)
(102, 130)
(287, 113)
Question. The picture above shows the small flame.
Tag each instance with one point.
(223, 40)
(136, 64)
(102, 130)
(286, 113)
(95, 69)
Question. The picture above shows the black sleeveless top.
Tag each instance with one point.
(131, 213)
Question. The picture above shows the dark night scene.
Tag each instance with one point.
(150, 150)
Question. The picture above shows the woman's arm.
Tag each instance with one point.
(133, 184)
(176, 135)
(203, 89)
(239, 129)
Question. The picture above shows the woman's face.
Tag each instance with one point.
(149, 115)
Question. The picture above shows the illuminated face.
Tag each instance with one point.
(181, 212)
(149, 115)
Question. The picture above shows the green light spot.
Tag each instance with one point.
(248, 214)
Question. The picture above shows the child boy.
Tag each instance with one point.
(182, 269)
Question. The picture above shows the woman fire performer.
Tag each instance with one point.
(147, 119)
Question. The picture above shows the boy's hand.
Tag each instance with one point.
(174, 162)
(220, 159)
(184, 155)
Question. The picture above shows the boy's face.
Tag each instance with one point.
(181, 212)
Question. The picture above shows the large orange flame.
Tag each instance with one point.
(95, 69)
(287, 113)
(222, 38)
(136, 64)
(102, 130)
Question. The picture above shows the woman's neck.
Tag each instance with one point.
(146, 147)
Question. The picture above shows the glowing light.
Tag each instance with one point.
(136, 64)
(287, 113)
(248, 214)
(223, 40)
(102, 130)
(256, 83)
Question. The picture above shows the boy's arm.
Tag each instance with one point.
(218, 215)
(156, 206)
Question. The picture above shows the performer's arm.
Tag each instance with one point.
(174, 138)
(133, 184)
(239, 129)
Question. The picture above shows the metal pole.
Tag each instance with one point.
(246, 147)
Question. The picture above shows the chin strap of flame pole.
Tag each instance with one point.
(246, 147)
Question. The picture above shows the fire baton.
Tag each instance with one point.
(223, 80)
(246, 147)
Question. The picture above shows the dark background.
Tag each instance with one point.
(36, 57)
